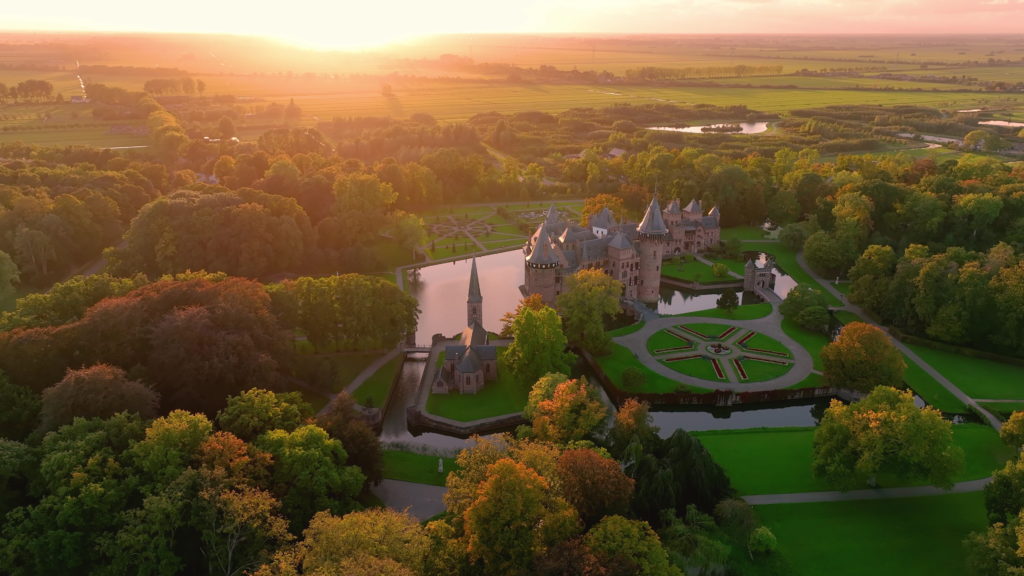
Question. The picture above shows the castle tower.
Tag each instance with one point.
(475, 302)
(542, 269)
(651, 235)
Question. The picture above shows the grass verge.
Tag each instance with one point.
(413, 467)
(374, 391)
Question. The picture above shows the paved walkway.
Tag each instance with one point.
(422, 501)
(363, 376)
(869, 494)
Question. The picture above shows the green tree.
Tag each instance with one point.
(238, 528)
(226, 127)
(861, 358)
(728, 301)
(998, 551)
(343, 421)
(533, 301)
(98, 391)
(1004, 495)
(633, 543)
(538, 345)
(515, 518)
(984, 140)
(309, 473)
(871, 275)
(8, 280)
(362, 536)
(408, 230)
(1012, 432)
(885, 433)
(256, 411)
(589, 297)
(807, 307)
(761, 541)
(21, 409)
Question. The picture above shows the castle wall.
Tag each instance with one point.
(543, 281)
(652, 251)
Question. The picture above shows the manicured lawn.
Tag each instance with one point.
(374, 391)
(504, 395)
(760, 371)
(898, 537)
(625, 330)
(748, 312)
(1003, 409)
(928, 388)
(412, 467)
(696, 367)
(662, 340)
(978, 378)
(813, 342)
(735, 266)
(692, 272)
(812, 381)
(710, 331)
(621, 358)
(762, 342)
(786, 259)
(778, 461)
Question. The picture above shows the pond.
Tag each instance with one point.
(783, 282)
(745, 128)
(442, 289)
(680, 300)
(1002, 123)
(804, 413)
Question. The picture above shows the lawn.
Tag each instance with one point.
(761, 371)
(748, 312)
(413, 467)
(899, 537)
(625, 330)
(813, 342)
(786, 260)
(978, 378)
(696, 367)
(662, 340)
(691, 272)
(778, 461)
(743, 233)
(928, 388)
(374, 391)
(621, 358)
(501, 396)
(761, 342)
(812, 381)
(705, 331)
(1003, 409)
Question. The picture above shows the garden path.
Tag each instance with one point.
(422, 501)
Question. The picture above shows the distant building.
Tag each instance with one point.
(630, 253)
(471, 361)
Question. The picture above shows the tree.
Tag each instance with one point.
(1012, 432)
(515, 518)
(861, 358)
(871, 275)
(1004, 495)
(885, 433)
(533, 301)
(632, 424)
(998, 551)
(728, 301)
(563, 410)
(984, 140)
(761, 542)
(343, 421)
(309, 473)
(719, 270)
(21, 409)
(238, 528)
(408, 230)
(99, 391)
(226, 127)
(632, 542)
(256, 411)
(595, 204)
(807, 307)
(538, 345)
(362, 536)
(594, 484)
(589, 297)
(8, 278)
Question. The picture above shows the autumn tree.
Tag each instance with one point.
(514, 518)
(344, 422)
(363, 537)
(538, 345)
(595, 204)
(594, 484)
(1012, 432)
(533, 301)
(632, 542)
(98, 391)
(885, 433)
(562, 410)
(256, 411)
(589, 298)
(861, 358)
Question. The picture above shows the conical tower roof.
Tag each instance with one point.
(542, 256)
(693, 207)
(474, 285)
(673, 207)
(652, 224)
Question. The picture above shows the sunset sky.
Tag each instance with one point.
(348, 23)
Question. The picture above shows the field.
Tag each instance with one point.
(412, 467)
(978, 378)
(901, 537)
(778, 461)
(374, 391)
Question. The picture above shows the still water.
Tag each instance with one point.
(745, 128)
(759, 416)
(674, 301)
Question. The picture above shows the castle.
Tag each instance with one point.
(472, 360)
(630, 253)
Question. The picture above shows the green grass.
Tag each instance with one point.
(315, 399)
(374, 391)
(621, 358)
(813, 342)
(503, 395)
(347, 367)
(696, 367)
(763, 342)
(748, 312)
(1003, 409)
(711, 331)
(778, 461)
(978, 378)
(413, 467)
(812, 381)
(899, 537)
(928, 388)
(761, 371)
(692, 272)
(625, 330)
(661, 340)
(786, 259)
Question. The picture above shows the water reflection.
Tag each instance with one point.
(745, 128)
(441, 290)
(783, 282)
(759, 416)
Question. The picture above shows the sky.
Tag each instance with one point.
(369, 23)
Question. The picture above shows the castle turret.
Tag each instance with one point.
(542, 268)
(475, 302)
(651, 235)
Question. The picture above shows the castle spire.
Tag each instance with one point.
(475, 302)
(652, 224)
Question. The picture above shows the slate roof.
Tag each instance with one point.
(603, 219)
(652, 224)
(621, 242)
(542, 254)
(694, 207)
(673, 207)
(474, 285)
(474, 335)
